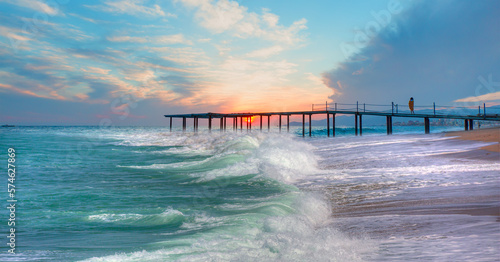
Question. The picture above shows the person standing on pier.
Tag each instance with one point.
(410, 105)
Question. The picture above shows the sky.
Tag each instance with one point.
(117, 62)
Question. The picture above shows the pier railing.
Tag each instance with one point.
(402, 108)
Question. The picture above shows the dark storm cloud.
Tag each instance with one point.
(435, 51)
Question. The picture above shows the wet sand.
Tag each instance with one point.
(484, 135)
(443, 200)
(448, 213)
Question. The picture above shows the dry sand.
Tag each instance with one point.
(484, 135)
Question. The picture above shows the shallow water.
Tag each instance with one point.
(145, 194)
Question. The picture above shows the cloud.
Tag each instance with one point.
(73, 59)
(164, 39)
(204, 40)
(51, 9)
(131, 7)
(51, 94)
(228, 16)
(13, 33)
(131, 39)
(435, 52)
(482, 98)
(96, 70)
(84, 18)
(266, 52)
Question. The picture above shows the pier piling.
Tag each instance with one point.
(303, 125)
(389, 125)
(427, 125)
(280, 123)
(328, 124)
(209, 123)
(310, 125)
(360, 125)
(356, 124)
(288, 123)
(333, 125)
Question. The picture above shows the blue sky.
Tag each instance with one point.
(130, 62)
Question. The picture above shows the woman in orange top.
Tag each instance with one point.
(410, 105)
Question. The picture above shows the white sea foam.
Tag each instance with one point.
(168, 216)
(303, 234)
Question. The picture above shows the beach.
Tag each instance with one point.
(438, 191)
(485, 135)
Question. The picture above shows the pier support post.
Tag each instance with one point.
(389, 125)
(328, 124)
(303, 125)
(184, 124)
(280, 123)
(209, 123)
(360, 125)
(288, 123)
(427, 125)
(310, 129)
(241, 123)
(390, 120)
(268, 123)
(194, 124)
(261, 122)
(356, 124)
(249, 120)
(170, 124)
(466, 124)
(471, 124)
(221, 124)
(225, 123)
(333, 125)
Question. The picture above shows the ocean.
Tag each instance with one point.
(147, 194)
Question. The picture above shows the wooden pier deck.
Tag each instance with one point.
(330, 113)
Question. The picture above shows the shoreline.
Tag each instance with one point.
(488, 135)
(439, 203)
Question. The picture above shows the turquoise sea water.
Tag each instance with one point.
(145, 194)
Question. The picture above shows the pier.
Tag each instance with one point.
(330, 111)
